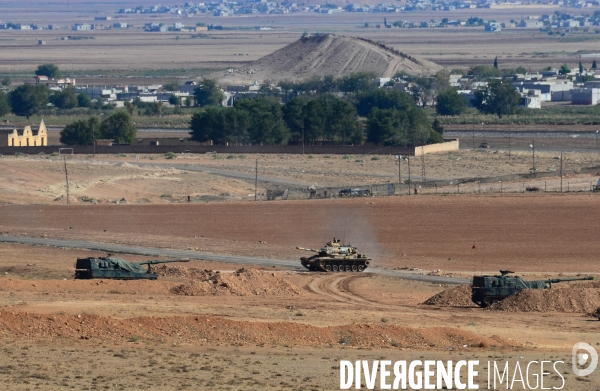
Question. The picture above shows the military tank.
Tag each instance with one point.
(116, 268)
(487, 290)
(335, 257)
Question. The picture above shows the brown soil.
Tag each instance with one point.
(205, 329)
(576, 298)
(432, 232)
(459, 296)
(242, 282)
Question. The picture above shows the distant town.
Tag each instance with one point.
(552, 20)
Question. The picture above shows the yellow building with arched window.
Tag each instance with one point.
(29, 138)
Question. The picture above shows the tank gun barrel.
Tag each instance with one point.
(557, 280)
(155, 261)
(307, 249)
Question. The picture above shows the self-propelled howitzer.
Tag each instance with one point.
(335, 257)
(116, 268)
(487, 290)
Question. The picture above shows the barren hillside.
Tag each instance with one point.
(328, 54)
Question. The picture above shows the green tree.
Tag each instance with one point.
(294, 115)
(83, 100)
(426, 89)
(130, 107)
(6, 81)
(118, 127)
(220, 125)
(49, 70)
(594, 65)
(387, 126)
(208, 93)
(4, 106)
(450, 102)
(65, 99)
(564, 69)
(175, 100)
(81, 132)
(484, 72)
(28, 99)
(497, 98)
(265, 120)
(361, 81)
(189, 101)
(171, 86)
(383, 99)
(580, 68)
(496, 62)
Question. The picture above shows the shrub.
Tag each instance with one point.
(171, 155)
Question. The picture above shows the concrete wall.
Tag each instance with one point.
(446, 146)
(369, 149)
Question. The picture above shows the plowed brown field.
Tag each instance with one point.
(556, 233)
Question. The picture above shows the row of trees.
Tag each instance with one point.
(118, 127)
(392, 119)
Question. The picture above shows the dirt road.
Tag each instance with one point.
(212, 257)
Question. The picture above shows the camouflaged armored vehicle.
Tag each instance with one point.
(335, 257)
(487, 290)
(116, 268)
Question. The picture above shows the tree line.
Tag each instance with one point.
(381, 116)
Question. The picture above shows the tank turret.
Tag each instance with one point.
(487, 290)
(116, 268)
(335, 256)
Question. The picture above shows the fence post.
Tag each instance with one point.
(544, 186)
(568, 186)
(458, 187)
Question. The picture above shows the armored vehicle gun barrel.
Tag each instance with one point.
(557, 280)
(307, 249)
(156, 262)
(487, 290)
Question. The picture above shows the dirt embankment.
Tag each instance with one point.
(577, 298)
(243, 282)
(581, 298)
(210, 329)
(459, 296)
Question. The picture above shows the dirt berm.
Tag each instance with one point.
(243, 282)
(459, 296)
(575, 298)
(210, 329)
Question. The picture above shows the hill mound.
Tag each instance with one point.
(327, 54)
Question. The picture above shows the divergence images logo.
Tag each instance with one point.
(580, 359)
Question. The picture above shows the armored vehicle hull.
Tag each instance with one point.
(337, 264)
(487, 290)
(115, 268)
(335, 257)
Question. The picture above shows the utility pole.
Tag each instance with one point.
(533, 155)
(302, 139)
(66, 177)
(423, 177)
(256, 181)
(561, 171)
(399, 169)
(509, 145)
(408, 163)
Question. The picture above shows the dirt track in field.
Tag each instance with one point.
(528, 233)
